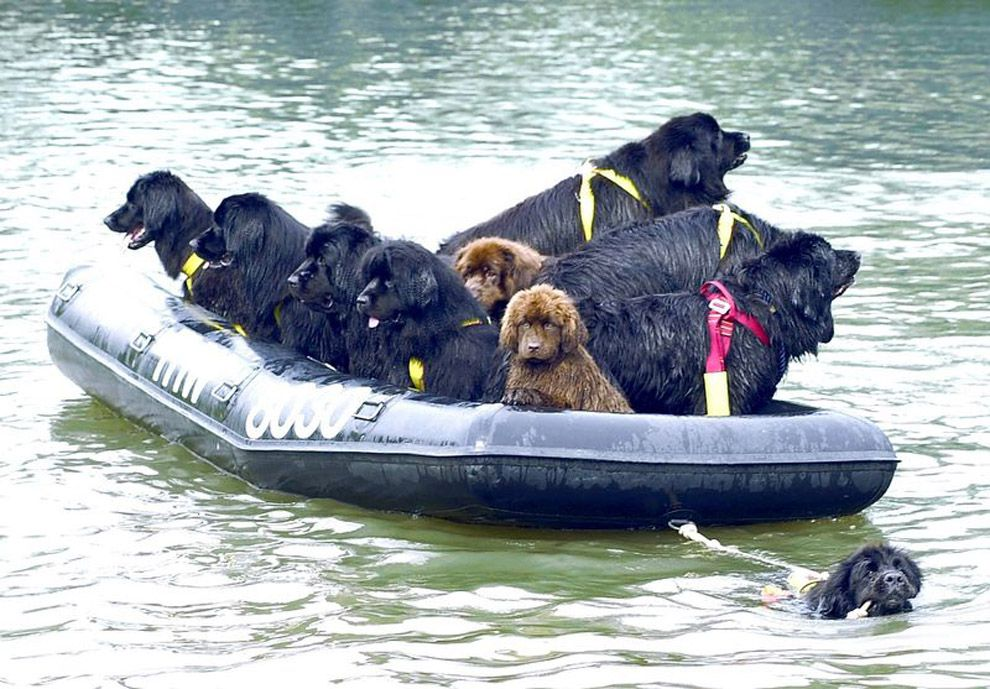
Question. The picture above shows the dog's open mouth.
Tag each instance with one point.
(324, 303)
(740, 159)
(137, 237)
(841, 289)
(223, 262)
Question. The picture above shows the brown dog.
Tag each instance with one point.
(548, 364)
(494, 269)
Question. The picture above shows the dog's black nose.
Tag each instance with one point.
(108, 221)
(294, 280)
(362, 300)
(894, 578)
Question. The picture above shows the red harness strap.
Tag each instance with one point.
(722, 316)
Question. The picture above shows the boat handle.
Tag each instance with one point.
(67, 292)
(224, 392)
(369, 411)
(141, 342)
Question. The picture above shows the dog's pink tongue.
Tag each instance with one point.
(373, 322)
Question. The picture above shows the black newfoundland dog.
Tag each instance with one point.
(261, 245)
(328, 281)
(875, 580)
(670, 254)
(680, 165)
(434, 335)
(656, 346)
(161, 209)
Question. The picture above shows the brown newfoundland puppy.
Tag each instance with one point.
(875, 580)
(680, 165)
(161, 209)
(494, 269)
(548, 364)
(656, 347)
(433, 335)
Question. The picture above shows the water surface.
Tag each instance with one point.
(127, 561)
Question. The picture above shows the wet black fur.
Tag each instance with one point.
(678, 166)
(261, 244)
(329, 280)
(422, 303)
(879, 573)
(668, 254)
(655, 346)
(172, 215)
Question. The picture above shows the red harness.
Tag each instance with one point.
(722, 317)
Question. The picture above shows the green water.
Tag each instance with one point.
(127, 562)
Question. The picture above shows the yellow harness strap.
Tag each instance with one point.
(417, 373)
(417, 369)
(190, 268)
(586, 197)
(726, 221)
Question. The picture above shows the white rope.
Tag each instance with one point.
(690, 531)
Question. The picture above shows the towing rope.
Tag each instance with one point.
(799, 580)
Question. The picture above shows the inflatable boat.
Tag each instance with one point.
(281, 421)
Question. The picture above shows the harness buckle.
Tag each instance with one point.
(719, 305)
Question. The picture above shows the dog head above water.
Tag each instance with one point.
(160, 208)
(800, 275)
(327, 279)
(541, 325)
(698, 153)
(494, 269)
(404, 281)
(251, 231)
(883, 576)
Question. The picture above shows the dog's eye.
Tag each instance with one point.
(320, 261)
(549, 326)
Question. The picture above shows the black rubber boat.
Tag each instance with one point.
(281, 421)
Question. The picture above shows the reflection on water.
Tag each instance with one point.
(129, 561)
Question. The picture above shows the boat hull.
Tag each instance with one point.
(281, 421)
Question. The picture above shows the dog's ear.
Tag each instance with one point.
(246, 238)
(459, 259)
(833, 601)
(684, 167)
(573, 332)
(508, 334)
(908, 567)
(159, 208)
(420, 290)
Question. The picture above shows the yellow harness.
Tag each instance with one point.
(586, 197)
(726, 222)
(190, 268)
(193, 264)
(417, 369)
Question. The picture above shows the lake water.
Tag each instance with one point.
(125, 561)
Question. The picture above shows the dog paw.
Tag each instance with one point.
(523, 397)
